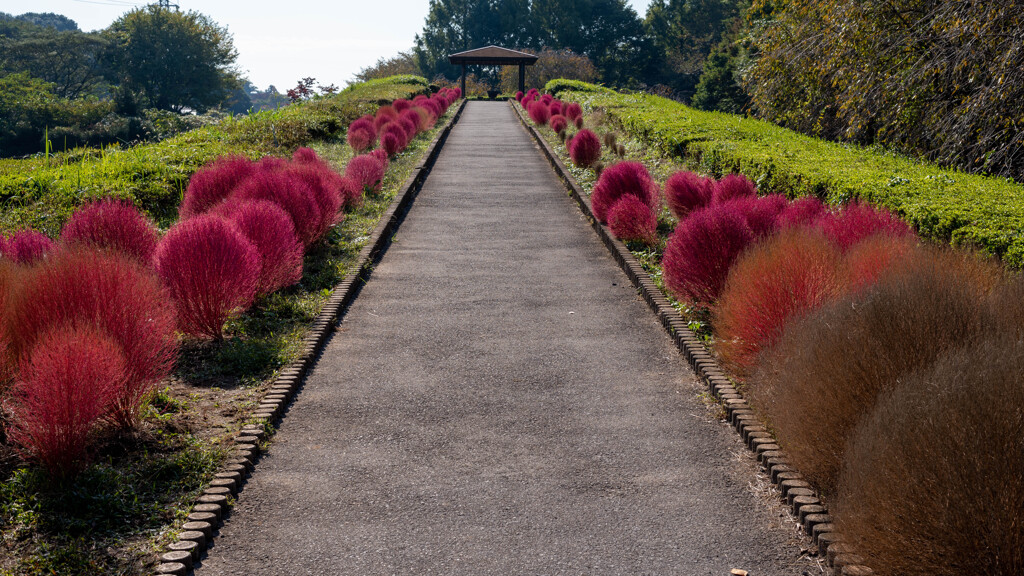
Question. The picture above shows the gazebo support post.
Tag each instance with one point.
(464, 81)
(522, 77)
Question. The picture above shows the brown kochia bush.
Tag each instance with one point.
(933, 481)
(829, 367)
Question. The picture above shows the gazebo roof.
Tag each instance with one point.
(492, 56)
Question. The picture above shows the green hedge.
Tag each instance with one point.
(557, 86)
(41, 192)
(943, 204)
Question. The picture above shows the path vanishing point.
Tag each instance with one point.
(498, 400)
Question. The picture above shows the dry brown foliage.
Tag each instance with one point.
(829, 367)
(933, 479)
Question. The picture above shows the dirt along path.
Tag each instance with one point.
(499, 401)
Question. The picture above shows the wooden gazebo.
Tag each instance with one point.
(493, 56)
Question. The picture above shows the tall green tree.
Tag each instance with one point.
(685, 31)
(72, 61)
(173, 59)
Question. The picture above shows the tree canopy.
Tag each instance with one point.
(174, 60)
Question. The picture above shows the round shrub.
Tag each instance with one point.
(621, 179)
(271, 232)
(584, 149)
(733, 186)
(555, 107)
(393, 139)
(361, 137)
(409, 127)
(539, 113)
(762, 213)
(573, 111)
(931, 481)
(367, 170)
(106, 291)
(773, 282)
(829, 367)
(325, 185)
(875, 256)
(387, 111)
(701, 251)
(382, 157)
(418, 122)
(290, 192)
(631, 219)
(214, 182)
(112, 225)
(558, 123)
(519, 95)
(858, 220)
(27, 246)
(686, 191)
(801, 212)
(401, 105)
(67, 382)
(351, 193)
(211, 271)
(8, 279)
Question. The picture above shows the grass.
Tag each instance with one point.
(942, 204)
(128, 504)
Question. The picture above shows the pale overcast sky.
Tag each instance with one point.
(280, 42)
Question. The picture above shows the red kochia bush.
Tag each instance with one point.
(858, 220)
(409, 126)
(558, 123)
(573, 111)
(631, 219)
(367, 170)
(547, 99)
(519, 95)
(762, 213)
(392, 139)
(67, 382)
(107, 291)
(382, 157)
(113, 225)
(686, 191)
(555, 107)
(211, 270)
(733, 186)
(290, 192)
(585, 148)
(418, 122)
(701, 250)
(351, 192)
(325, 185)
(619, 180)
(270, 230)
(784, 277)
(801, 212)
(539, 113)
(401, 105)
(27, 246)
(874, 257)
(8, 279)
(213, 183)
(361, 135)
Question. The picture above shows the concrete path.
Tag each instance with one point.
(499, 401)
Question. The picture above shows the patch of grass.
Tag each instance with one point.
(942, 204)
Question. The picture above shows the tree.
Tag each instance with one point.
(402, 63)
(58, 22)
(174, 60)
(72, 61)
(550, 64)
(719, 87)
(685, 31)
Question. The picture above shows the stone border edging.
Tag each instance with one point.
(797, 492)
(214, 502)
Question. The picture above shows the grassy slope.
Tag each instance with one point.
(126, 505)
(942, 204)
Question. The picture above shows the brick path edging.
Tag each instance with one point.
(214, 502)
(797, 492)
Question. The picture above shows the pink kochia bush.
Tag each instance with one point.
(734, 186)
(271, 232)
(290, 193)
(211, 271)
(558, 123)
(361, 134)
(622, 179)
(801, 212)
(539, 113)
(67, 382)
(393, 139)
(26, 246)
(631, 219)
(761, 212)
(788, 275)
(112, 225)
(858, 220)
(324, 184)
(584, 148)
(686, 191)
(573, 112)
(701, 251)
(214, 182)
(367, 170)
(85, 289)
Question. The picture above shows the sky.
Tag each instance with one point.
(280, 42)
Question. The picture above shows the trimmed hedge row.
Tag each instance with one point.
(942, 204)
(41, 193)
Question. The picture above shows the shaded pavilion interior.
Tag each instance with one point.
(493, 56)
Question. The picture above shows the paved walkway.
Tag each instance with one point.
(499, 401)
